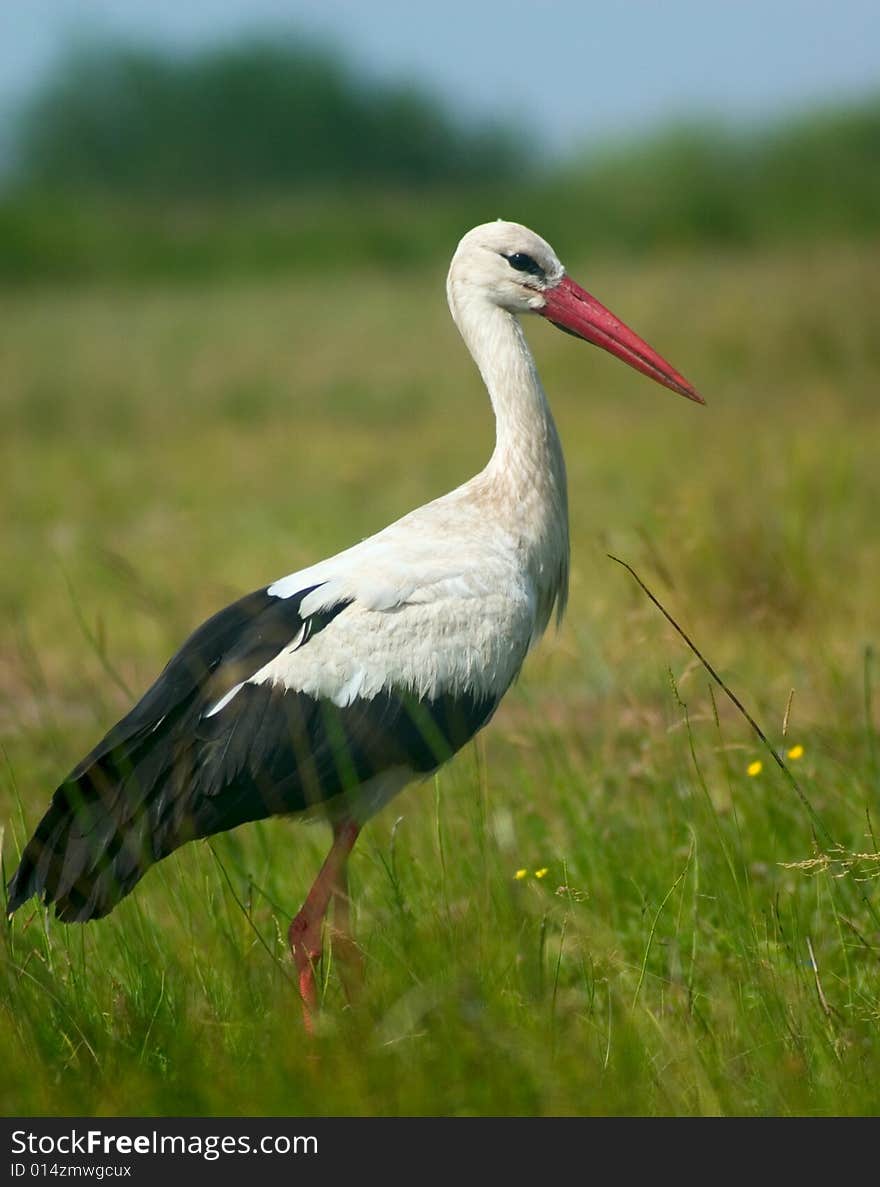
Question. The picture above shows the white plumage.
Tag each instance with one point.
(451, 596)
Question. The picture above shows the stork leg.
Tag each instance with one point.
(304, 934)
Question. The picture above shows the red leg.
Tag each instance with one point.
(304, 934)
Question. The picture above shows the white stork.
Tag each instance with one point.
(334, 687)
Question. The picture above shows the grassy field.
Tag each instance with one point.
(683, 940)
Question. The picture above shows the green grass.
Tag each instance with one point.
(167, 448)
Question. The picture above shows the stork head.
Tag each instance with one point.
(511, 267)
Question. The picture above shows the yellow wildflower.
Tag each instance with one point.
(542, 873)
(796, 751)
(755, 768)
(520, 874)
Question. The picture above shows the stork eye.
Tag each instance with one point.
(524, 263)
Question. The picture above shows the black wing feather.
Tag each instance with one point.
(273, 751)
(242, 638)
(168, 773)
(100, 833)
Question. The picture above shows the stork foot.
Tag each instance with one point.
(304, 937)
(304, 934)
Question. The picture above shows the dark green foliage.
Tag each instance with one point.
(814, 176)
(262, 117)
(273, 156)
(801, 182)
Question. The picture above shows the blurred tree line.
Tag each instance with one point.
(268, 155)
(252, 118)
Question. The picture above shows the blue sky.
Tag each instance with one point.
(566, 70)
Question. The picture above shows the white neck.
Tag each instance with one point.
(524, 480)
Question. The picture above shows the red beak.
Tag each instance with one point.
(572, 309)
